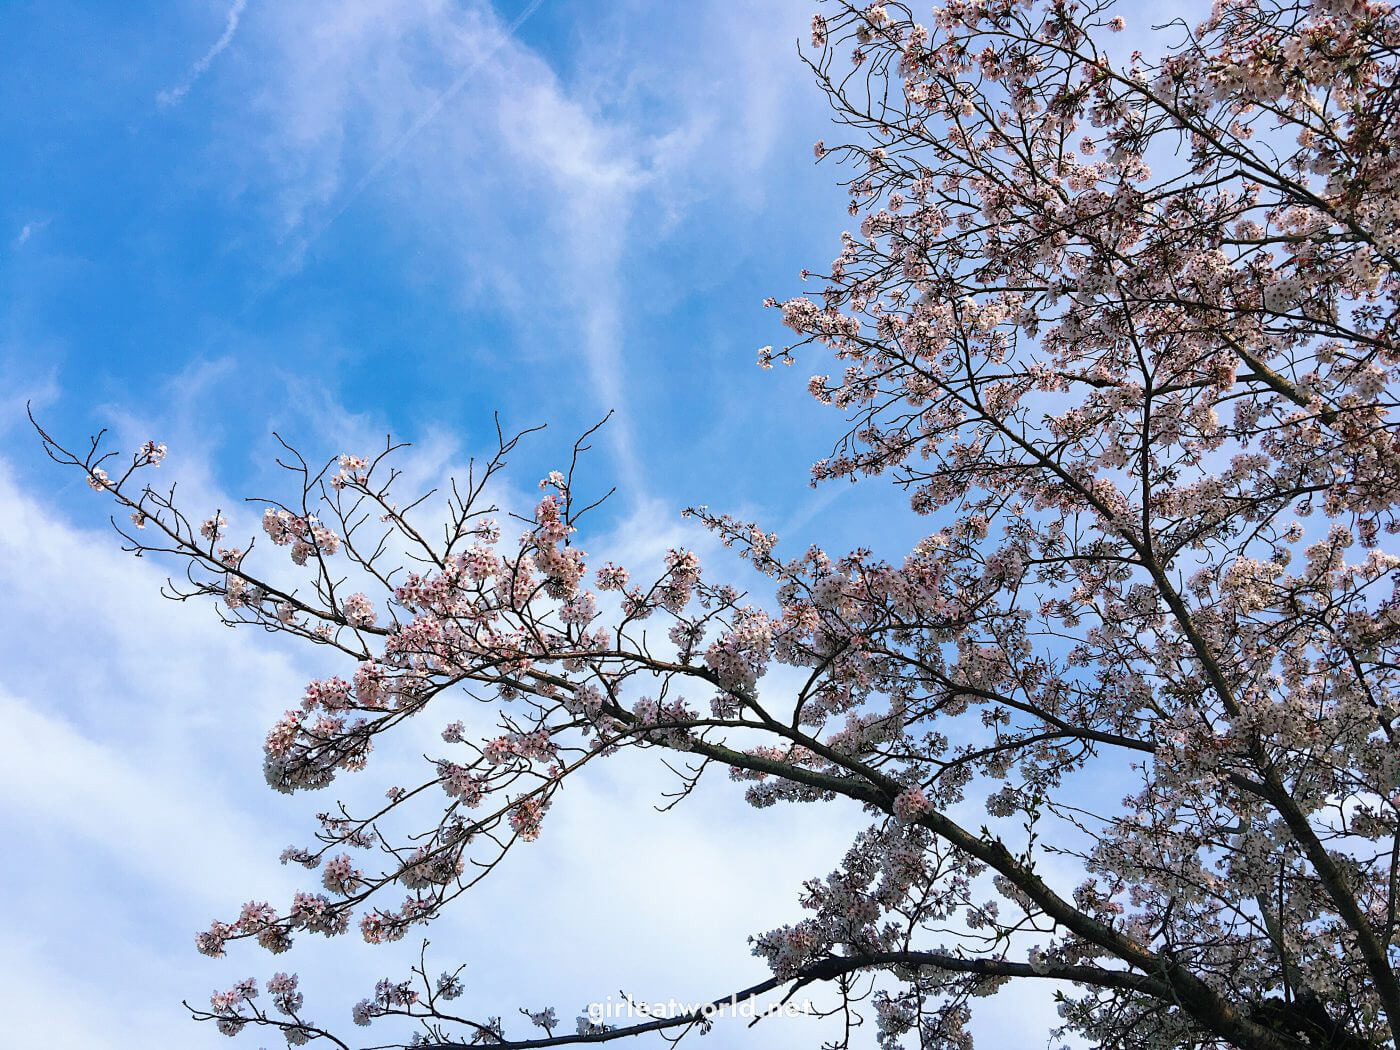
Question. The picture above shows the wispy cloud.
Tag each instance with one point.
(171, 96)
(28, 230)
(426, 117)
(520, 174)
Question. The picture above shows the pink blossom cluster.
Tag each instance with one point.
(305, 535)
(354, 470)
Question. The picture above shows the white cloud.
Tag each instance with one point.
(530, 190)
(27, 231)
(171, 96)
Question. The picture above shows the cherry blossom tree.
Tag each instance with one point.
(1124, 328)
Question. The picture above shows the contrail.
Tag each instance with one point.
(173, 95)
(395, 148)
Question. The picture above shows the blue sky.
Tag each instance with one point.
(590, 222)
(223, 219)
